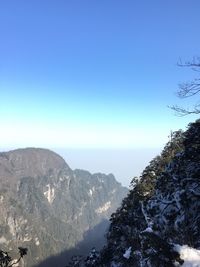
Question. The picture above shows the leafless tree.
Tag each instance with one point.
(189, 89)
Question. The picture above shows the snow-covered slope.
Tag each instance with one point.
(162, 209)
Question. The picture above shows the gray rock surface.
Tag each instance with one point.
(47, 207)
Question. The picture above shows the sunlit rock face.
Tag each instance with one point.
(46, 206)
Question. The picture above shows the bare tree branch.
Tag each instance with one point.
(194, 63)
(188, 89)
(183, 112)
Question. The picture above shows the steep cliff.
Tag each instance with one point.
(46, 206)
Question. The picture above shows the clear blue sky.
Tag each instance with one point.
(93, 74)
(93, 79)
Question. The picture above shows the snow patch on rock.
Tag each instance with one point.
(50, 193)
(103, 208)
(37, 242)
(191, 256)
(91, 191)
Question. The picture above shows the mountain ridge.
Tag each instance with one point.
(161, 212)
(46, 206)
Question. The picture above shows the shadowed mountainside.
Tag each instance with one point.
(92, 238)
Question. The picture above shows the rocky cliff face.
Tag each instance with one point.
(46, 206)
(161, 214)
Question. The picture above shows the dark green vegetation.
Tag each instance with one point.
(162, 209)
(51, 209)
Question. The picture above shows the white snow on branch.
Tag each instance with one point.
(148, 230)
(127, 253)
(147, 219)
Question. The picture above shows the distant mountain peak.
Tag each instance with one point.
(30, 161)
(48, 207)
